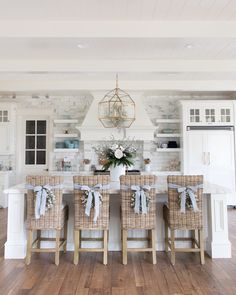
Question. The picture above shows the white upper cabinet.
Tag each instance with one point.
(7, 128)
(205, 113)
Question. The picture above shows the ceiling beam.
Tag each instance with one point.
(116, 29)
(32, 86)
(67, 66)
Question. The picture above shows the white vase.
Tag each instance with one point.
(147, 167)
(87, 167)
(116, 172)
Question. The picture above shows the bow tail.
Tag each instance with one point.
(89, 204)
(96, 205)
(43, 202)
(37, 205)
(137, 202)
(193, 200)
(183, 202)
(144, 202)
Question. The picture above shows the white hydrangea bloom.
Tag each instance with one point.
(114, 147)
(118, 153)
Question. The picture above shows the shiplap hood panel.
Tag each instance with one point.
(141, 129)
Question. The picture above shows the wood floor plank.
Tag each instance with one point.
(138, 277)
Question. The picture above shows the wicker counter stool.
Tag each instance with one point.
(190, 220)
(55, 218)
(131, 220)
(84, 222)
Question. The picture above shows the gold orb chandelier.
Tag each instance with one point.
(116, 109)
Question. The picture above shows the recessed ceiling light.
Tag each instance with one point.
(189, 46)
(82, 45)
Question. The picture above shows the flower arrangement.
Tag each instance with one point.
(116, 153)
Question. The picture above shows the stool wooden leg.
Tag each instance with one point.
(80, 239)
(153, 238)
(172, 237)
(201, 243)
(124, 246)
(38, 237)
(76, 245)
(166, 237)
(105, 246)
(65, 235)
(57, 253)
(29, 245)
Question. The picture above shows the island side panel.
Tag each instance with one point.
(15, 246)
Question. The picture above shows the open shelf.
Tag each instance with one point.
(66, 150)
(168, 135)
(168, 150)
(65, 135)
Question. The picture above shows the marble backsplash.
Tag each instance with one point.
(158, 106)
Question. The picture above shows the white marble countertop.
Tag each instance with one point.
(208, 188)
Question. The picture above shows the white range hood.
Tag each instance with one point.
(92, 128)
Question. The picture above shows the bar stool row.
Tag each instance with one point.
(56, 218)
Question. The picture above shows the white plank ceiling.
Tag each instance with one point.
(146, 10)
(152, 44)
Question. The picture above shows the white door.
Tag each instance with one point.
(195, 153)
(211, 153)
(35, 151)
(220, 158)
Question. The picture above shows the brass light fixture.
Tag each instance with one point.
(116, 109)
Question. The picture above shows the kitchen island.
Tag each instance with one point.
(217, 244)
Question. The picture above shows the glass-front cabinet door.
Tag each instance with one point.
(194, 115)
(210, 115)
(225, 115)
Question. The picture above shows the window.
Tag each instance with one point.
(35, 142)
(4, 116)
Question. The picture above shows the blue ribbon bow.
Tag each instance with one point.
(184, 190)
(93, 194)
(140, 198)
(41, 197)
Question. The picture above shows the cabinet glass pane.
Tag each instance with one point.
(30, 142)
(194, 115)
(225, 115)
(41, 142)
(41, 158)
(29, 157)
(30, 127)
(41, 127)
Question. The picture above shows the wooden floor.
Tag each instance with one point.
(90, 277)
